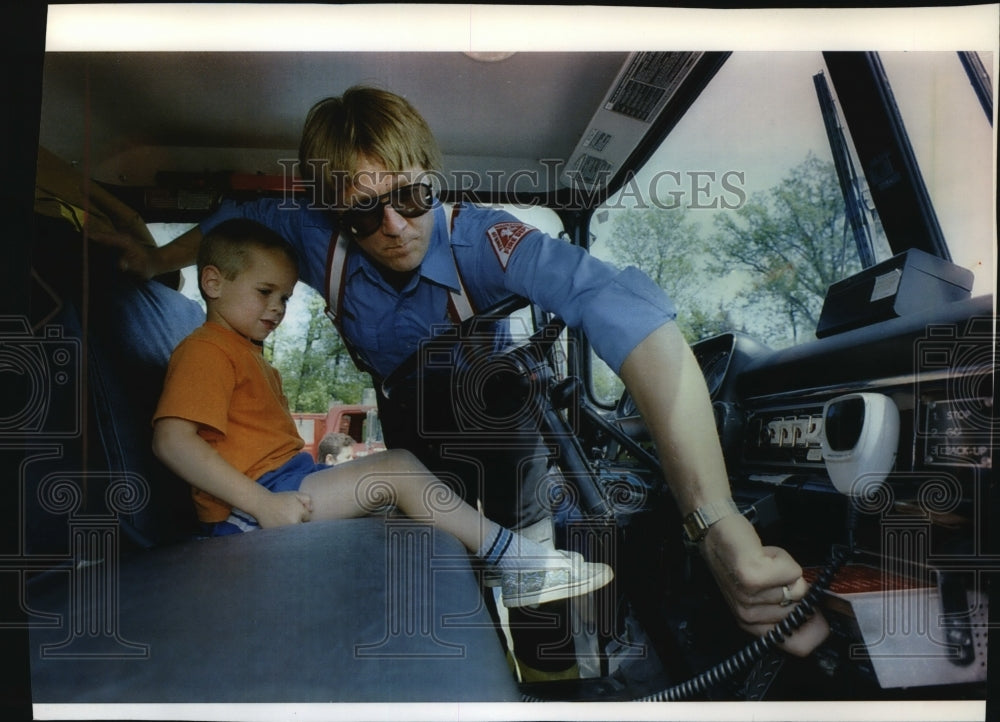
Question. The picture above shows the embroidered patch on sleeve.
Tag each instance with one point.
(504, 238)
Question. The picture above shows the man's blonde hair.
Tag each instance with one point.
(364, 121)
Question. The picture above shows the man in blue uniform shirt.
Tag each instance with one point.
(395, 264)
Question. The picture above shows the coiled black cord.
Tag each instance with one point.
(753, 652)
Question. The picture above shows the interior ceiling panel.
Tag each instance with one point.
(528, 106)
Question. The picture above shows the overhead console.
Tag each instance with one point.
(651, 92)
(642, 89)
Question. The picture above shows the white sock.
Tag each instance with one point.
(509, 550)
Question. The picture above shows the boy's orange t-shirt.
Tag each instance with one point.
(222, 382)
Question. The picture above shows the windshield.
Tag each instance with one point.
(740, 214)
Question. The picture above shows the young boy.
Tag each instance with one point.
(223, 425)
(334, 448)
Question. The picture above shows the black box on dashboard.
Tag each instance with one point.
(908, 282)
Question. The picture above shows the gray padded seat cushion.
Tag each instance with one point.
(311, 613)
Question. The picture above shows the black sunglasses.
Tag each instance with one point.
(365, 217)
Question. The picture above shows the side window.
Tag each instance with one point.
(163, 233)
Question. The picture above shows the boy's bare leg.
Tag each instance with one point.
(396, 477)
(360, 487)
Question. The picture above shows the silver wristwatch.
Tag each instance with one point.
(698, 522)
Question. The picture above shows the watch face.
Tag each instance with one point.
(698, 522)
(695, 527)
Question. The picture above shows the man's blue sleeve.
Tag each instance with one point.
(306, 231)
(616, 309)
(260, 211)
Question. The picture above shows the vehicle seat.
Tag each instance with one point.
(121, 333)
(359, 610)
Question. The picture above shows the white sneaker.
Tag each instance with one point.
(569, 577)
(492, 577)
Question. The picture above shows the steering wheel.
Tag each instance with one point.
(475, 335)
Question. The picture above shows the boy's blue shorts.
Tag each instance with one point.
(287, 477)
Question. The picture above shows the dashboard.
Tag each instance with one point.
(918, 531)
(937, 369)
